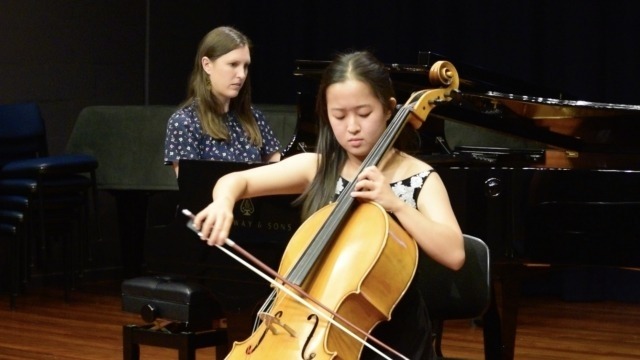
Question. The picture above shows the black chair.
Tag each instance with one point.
(53, 190)
(11, 229)
(462, 294)
(13, 220)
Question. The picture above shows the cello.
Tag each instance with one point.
(352, 260)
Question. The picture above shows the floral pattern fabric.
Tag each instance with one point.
(185, 139)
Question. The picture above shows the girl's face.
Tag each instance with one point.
(356, 116)
(228, 73)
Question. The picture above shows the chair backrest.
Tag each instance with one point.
(128, 142)
(462, 294)
(22, 132)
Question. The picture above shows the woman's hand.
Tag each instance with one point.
(214, 222)
(371, 185)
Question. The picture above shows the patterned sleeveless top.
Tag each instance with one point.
(407, 189)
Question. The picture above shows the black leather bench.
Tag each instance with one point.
(178, 314)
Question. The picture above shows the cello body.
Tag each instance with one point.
(362, 276)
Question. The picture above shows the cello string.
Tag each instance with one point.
(265, 307)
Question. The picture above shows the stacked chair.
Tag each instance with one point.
(42, 198)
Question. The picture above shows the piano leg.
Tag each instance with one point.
(132, 218)
(492, 331)
(140, 211)
(501, 319)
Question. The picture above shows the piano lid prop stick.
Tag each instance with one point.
(289, 292)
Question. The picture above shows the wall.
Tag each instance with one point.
(582, 48)
(70, 54)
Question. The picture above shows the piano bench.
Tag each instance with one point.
(178, 315)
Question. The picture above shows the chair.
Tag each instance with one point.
(56, 188)
(179, 314)
(11, 228)
(462, 294)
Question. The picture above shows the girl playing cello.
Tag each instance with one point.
(355, 102)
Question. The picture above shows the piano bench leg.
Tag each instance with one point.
(185, 342)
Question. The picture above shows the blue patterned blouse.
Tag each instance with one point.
(185, 139)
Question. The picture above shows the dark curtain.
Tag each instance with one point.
(585, 49)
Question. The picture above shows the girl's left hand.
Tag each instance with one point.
(371, 185)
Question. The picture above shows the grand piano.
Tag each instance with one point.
(545, 180)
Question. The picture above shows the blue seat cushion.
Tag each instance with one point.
(8, 229)
(51, 165)
(57, 184)
(14, 202)
(13, 217)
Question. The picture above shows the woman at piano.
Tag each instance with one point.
(217, 120)
(355, 102)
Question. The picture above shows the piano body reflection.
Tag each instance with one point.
(543, 180)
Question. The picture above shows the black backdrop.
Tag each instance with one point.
(585, 48)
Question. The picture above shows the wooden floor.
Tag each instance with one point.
(89, 326)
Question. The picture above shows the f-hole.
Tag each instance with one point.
(314, 318)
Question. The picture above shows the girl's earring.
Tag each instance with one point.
(208, 83)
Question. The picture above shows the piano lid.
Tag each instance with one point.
(510, 107)
(581, 126)
(545, 108)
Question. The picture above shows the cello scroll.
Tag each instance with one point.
(443, 74)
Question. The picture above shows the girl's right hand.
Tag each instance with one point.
(214, 222)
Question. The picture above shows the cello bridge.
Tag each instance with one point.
(271, 321)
